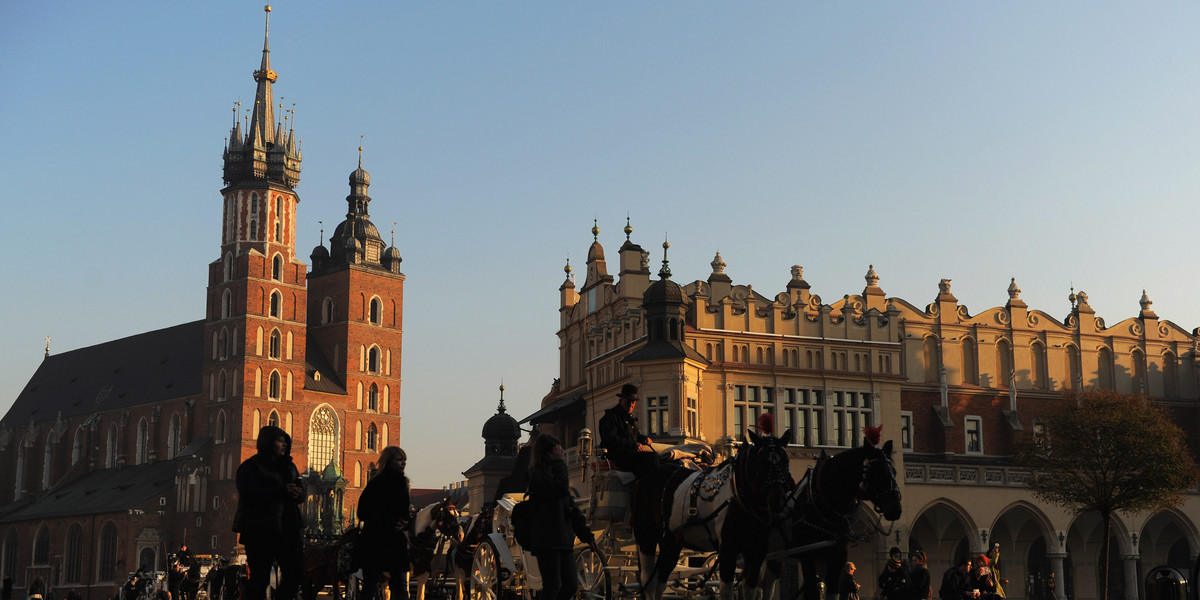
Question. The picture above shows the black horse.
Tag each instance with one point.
(824, 507)
(435, 526)
(730, 508)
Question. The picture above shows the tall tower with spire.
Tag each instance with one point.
(254, 358)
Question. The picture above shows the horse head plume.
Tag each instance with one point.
(766, 423)
(872, 435)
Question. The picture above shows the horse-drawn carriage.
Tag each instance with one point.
(691, 526)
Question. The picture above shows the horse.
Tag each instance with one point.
(462, 556)
(823, 507)
(730, 508)
(433, 526)
(224, 581)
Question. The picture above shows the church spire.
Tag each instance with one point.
(269, 150)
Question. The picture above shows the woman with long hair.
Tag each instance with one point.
(557, 517)
(385, 509)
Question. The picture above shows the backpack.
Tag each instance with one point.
(523, 522)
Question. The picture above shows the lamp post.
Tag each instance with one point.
(729, 445)
(584, 447)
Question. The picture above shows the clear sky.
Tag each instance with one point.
(1052, 142)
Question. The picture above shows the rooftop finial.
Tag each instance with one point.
(665, 271)
(595, 230)
(393, 234)
(567, 269)
(628, 228)
(1072, 297)
(360, 149)
(322, 224)
(501, 407)
(47, 346)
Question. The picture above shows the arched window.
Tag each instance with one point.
(226, 304)
(1004, 364)
(933, 359)
(106, 565)
(1140, 385)
(1074, 368)
(273, 419)
(1104, 369)
(222, 386)
(228, 267)
(1041, 377)
(273, 388)
(220, 433)
(372, 437)
(373, 398)
(1170, 376)
(376, 311)
(142, 444)
(373, 359)
(174, 436)
(10, 554)
(278, 218)
(276, 304)
(273, 348)
(77, 446)
(19, 480)
(277, 267)
(41, 546)
(970, 359)
(253, 229)
(73, 555)
(47, 462)
(110, 455)
(326, 311)
(322, 436)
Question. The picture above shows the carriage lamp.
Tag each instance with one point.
(730, 446)
(584, 446)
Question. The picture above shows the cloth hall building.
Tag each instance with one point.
(955, 389)
(114, 455)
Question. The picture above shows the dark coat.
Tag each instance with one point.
(558, 519)
(618, 430)
(956, 585)
(384, 503)
(919, 587)
(264, 505)
(892, 583)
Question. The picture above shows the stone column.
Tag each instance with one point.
(1056, 567)
(1131, 577)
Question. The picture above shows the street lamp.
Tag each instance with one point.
(730, 445)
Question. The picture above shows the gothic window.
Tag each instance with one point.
(373, 359)
(228, 267)
(41, 546)
(372, 437)
(222, 386)
(74, 555)
(253, 205)
(110, 456)
(970, 359)
(276, 304)
(373, 398)
(933, 360)
(143, 441)
(47, 462)
(10, 554)
(220, 433)
(106, 566)
(1074, 368)
(376, 311)
(77, 446)
(273, 387)
(223, 344)
(327, 311)
(277, 267)
(273, 419)
(322, 436)
(253, 229)
(276, 342)
(226, 304)
(174, 435)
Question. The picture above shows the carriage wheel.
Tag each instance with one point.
(485, 573)
(594, 582)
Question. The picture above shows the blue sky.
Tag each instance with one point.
(1051, 142)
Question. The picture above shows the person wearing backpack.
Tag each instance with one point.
(558, 519)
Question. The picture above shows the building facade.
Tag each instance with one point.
(955, 392)
(114, 455)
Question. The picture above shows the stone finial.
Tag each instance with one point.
(718, 265)
(1145, 301)
(871, 277)
(1014, 292)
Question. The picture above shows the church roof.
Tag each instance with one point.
(140, 369)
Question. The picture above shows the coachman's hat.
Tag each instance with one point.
(629, 392)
